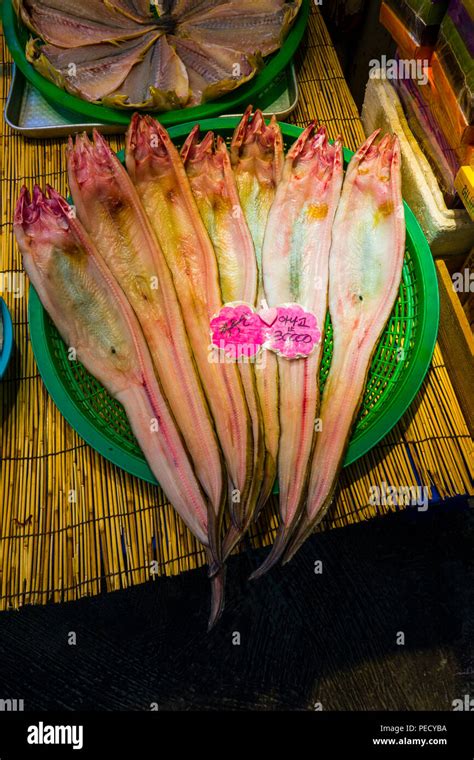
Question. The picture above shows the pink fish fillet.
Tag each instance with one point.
(209, 170)
(109, 208)
(295, 263)
(365, 269)
(93, 316)
(159, 176)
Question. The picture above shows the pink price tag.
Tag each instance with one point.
(294, 332)
(238, 331)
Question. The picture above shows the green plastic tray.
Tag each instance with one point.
(392, 383)
(16, 36)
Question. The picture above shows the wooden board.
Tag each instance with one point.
(457, 343)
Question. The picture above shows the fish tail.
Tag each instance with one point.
(233, 537)
(217, 578)
(278, 549)
(303, 532)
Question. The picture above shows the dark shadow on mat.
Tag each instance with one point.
(305, 638)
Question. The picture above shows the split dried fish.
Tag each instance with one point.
(69, 25)
(213, 70)
(159, 82)
(93, 315)
(91, 72)
(213, 184)
(295, 264)
(258, 26)
(365, 269)
(257, 160)
(109, 208)
(157, 171)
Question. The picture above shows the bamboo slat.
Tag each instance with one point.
(72, 524)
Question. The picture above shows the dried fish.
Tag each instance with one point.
(295, 263)
(159, 83)
(91, 72)
(107, 204)
(257, 160)
(93, 315)
(213, 70)
(365, 268)
(213, 184)
(258, 26)
(157, 171)
(68, 25)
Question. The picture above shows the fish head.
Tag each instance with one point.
(206, 160)
(375, 169)
(92, 170)
(314, 159)
(198, 152)
(258, 146)
(42, 221)
(62, 265)
(148, 147)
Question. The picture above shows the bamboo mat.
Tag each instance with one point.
(72, 524)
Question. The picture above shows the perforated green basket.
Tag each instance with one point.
(397, 371)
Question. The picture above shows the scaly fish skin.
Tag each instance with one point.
(251, 26)
(257, 160)
(94, 23)
(91, 72)
(159, 82)
(107, 204)
(365, 269)
(213, 70)
(161, 181)
(136, 11)
(212, 181)
(295, 264)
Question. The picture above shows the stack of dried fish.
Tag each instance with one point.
(160, 248)
(159, 56)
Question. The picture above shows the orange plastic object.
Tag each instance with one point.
(402, 36)
(441, 97)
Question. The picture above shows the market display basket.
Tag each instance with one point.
(16, 36)
(7, 338)
(398, 368)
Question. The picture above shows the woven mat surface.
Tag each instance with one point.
(72, 524)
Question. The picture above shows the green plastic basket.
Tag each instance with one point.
(399, 366)
(16, 36)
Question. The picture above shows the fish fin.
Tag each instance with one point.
(278, 549)
(218, 574)
(269, 478)
(213, 531)
(306, 528)
(303, 531)
(240, 132)
(191, 140)
(233, 537)
(365, 147)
